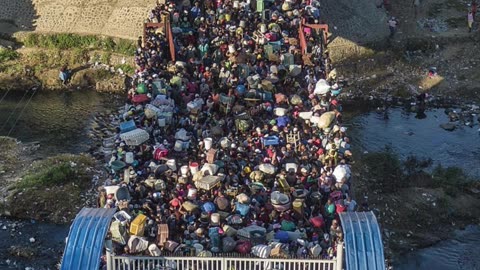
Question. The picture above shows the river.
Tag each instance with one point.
(60, 122)
(407, 134)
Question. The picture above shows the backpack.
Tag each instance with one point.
(243, 247)
(208, 207)
(242, 209)
(159, 153)
(228, 244)
(288, 225)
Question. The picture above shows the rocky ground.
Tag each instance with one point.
(49, 189)
(435, 36)
(38, 67)
(415, 209)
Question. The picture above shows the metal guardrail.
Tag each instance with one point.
(205, 263)
(221, 263)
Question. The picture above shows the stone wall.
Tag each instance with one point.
(117, 18)
(355, 25)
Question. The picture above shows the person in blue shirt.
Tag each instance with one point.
(195, 11)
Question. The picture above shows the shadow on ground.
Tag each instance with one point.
(17, 15)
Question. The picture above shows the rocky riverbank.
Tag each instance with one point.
(24, 68)
(415, 204)
(48, 190)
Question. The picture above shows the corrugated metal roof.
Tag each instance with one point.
(86, 239)
(363, 241)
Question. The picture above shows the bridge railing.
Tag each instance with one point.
(217, 263)
(221, 263)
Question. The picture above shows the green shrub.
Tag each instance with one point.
(451, 179)
(79, 56)
(50, 176)
(102, 74)
(56, 170)
(414, 165)
(38, 57)
(126, 47)
(128, 69)
(109, 44)
(105, 58)
(384, 171)
(72, 41)
(31, 40)
(8, 55)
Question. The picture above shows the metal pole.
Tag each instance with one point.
(340, 256)
(108, 247)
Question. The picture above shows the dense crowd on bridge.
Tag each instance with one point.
(236, 144)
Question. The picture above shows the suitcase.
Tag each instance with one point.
(162, 235)
(137, 227)
(228, 244)
(208, 182)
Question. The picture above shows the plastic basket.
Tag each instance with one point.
(135, 137)
(117, 165)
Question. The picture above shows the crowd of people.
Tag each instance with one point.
(235, 142)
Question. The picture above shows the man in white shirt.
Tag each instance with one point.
(392, 24)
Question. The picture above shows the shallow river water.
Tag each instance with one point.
(407, 135)
(60, 121)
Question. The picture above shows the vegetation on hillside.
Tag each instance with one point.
(57, 170)
(64, 41)
(7, 55)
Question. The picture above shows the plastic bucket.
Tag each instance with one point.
(184, 170)
(162, 122)
(172, 164)
(263, 28)
(129, 158)
(215, 218)
(194, 167)
(291, 166)
(298, 205)
(231, 48)
(224, 142)
(198, 248)
(192, 193)
(178, 146)
(208, 143)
